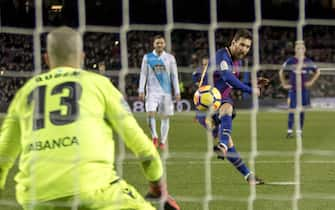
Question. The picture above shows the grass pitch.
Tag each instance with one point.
(192, 180)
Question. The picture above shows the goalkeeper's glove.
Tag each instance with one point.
(157, 190)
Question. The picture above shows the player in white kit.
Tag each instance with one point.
(158, 79)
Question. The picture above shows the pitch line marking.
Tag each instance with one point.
(281, 183)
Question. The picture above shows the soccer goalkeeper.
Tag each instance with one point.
(62, 124)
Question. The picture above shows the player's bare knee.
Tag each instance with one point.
(230, 142)
(226, 109)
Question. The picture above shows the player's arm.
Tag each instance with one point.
(315, 76)
(236, 83)
(9, 142)
(143, 77)
(282, 79)
(119, 116)
(174, 78)
(231, 79)
(158, 190)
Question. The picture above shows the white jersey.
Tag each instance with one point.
(158, 74)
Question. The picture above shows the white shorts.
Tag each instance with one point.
(162, 104)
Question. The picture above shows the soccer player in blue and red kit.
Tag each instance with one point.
(309, 74)
(228, 61)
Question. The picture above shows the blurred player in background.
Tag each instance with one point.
(158, 79)
(228, 61)
(61, 123)
(201, 117)
(197, 74)
(290, 67)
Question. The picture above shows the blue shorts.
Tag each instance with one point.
(231, 102)
(227, 100)
(292, 99)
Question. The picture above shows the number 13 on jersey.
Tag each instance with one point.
(56, 117)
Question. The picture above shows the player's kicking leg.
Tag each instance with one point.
(253, 180)
(228, 148)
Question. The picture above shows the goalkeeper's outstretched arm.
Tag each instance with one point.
(9, 141)
(124, 123)
(121, 119)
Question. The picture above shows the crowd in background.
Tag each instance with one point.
(9, 86)
(16, 52)
(102, 49)
(102, 52)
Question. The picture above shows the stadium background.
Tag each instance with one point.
(186, 165)
(189, 46)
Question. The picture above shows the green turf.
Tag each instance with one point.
(186, 168)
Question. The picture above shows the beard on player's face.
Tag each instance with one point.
(240, 48)
(238, 53)
(242, 54)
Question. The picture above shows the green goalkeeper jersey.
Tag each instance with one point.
(62, 123)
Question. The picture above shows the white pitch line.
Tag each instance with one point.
(197, 162)
(281, 183)
(258, 162)
(291, 161)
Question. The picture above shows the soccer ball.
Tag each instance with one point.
(206, 97)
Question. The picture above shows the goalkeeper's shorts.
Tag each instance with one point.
(117, 195)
